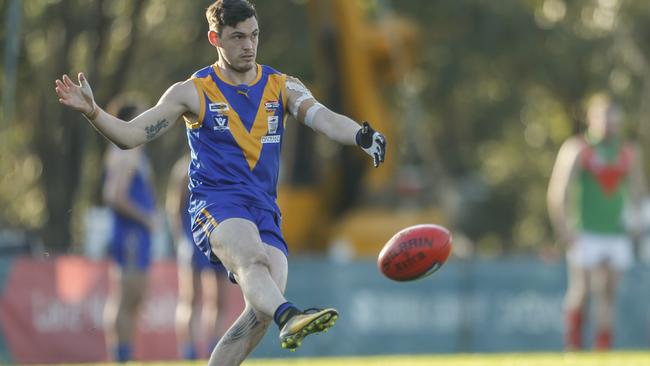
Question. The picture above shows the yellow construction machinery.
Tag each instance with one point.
(331, 197)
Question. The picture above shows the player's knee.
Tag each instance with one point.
(258, 261)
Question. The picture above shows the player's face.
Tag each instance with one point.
(605, 120)
(238, 45)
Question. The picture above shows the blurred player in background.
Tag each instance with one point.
(235, 112)
(595, 179)
(198, 278)
(129, 194)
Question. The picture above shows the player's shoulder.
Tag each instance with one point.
(203, 72)
(181, 92)
(294, 84)
(573, 146)
(274, 75)
(575, 142)
(266, 69)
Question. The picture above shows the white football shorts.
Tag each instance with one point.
(591, 250)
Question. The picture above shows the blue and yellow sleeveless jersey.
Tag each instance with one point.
(235, 142)
(130, 240)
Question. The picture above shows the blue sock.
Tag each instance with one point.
(123, 352)
(189, 352)
(283, 313)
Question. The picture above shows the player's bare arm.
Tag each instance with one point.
(565, 168)
(306, 109)
(179, 99)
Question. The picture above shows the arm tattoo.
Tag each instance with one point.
(153, 130)
(242, 328)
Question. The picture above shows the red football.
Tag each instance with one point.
(415, 252)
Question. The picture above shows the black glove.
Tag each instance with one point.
(372, 142)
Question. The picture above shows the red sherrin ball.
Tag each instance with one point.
(415, 252)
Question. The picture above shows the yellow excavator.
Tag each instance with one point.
(331, 197)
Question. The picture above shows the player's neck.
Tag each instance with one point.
(235, 76)
(603, 139)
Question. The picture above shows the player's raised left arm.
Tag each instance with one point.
(127, 134)
(305, 108)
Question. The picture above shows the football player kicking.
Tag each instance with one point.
(234, 112)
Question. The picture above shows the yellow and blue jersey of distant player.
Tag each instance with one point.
(235, 142)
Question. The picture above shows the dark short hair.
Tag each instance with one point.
(228, 13)
(127, 106)
(127, 112)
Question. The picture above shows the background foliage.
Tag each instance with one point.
(501, 85)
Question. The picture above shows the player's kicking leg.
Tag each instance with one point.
(240, 339)
(246, 332)
(261, 272)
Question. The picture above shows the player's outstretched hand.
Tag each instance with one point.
(76, 96)
(372, 142)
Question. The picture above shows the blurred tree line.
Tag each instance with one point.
(502, 85)
(506, 83)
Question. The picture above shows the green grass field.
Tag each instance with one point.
(501, 359)
(532, 359)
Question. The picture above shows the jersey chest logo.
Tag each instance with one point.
(272, 122)
(218, 107)
(609, 175)
(220, 117)
(220, 123)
